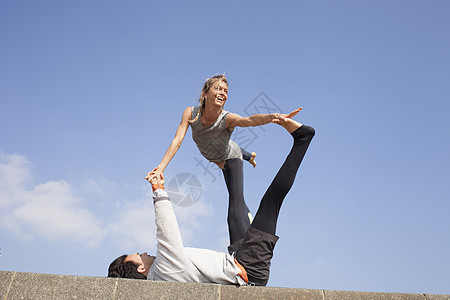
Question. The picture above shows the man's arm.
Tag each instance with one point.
(170, 254)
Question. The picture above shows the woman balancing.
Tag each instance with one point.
(212, 127)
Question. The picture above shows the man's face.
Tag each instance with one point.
(143, 260)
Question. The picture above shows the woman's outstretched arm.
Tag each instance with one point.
(235, 120)
(173, 148)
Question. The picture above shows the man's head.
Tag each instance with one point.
(135, 266)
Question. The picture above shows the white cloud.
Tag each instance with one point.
(49, 210)
(55, 211)
(192, 218)
(133, 225)
(14, 174)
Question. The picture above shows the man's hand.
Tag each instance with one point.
(156, 179)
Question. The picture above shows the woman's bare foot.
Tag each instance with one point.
(289, 124)
(252, 160)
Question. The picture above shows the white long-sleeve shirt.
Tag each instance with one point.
(174, 262)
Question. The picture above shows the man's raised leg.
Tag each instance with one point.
(269, 208)
(256, 249)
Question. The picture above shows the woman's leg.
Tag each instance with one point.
(250, 157)
(245, 154)
(239, 217)
(269, 208)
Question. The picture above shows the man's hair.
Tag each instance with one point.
(121, 269)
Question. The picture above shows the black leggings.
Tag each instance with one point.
(269, 208)
(245, 154)
(255, 250)
(267, 215)
(238, 212)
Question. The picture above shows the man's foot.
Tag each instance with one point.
(289, 124)
(252, 160)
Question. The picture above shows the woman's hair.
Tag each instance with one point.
(121, 269)
(206, 87)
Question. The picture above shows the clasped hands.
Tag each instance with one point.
(156, 178)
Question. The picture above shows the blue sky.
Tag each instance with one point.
(91, 93)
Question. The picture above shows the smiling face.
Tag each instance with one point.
(217, 95)
(143, 260)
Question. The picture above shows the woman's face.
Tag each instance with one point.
(217, 94)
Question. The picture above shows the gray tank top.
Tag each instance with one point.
(213, 140)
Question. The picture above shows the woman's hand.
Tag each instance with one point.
(289, 116)
(155, 173)
(235, 120)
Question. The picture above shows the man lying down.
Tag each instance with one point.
(248, 260)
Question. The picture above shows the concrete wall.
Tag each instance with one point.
(17, 285)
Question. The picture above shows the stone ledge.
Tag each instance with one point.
(19, 285)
